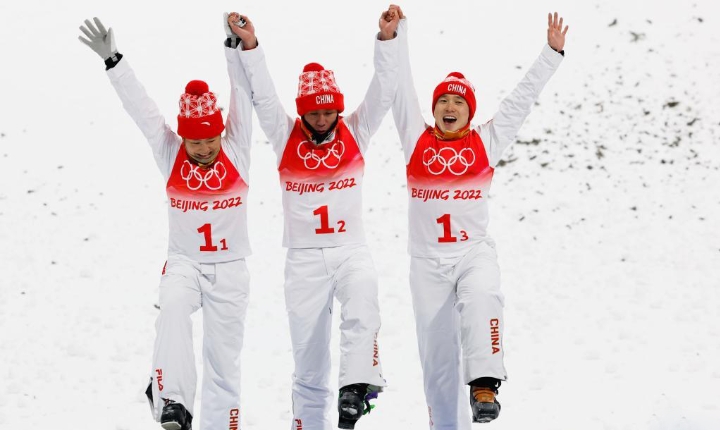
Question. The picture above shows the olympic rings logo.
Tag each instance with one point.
(313, 157)
(448, 159)
(195, 178)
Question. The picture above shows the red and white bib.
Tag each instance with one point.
(207, 210)
(322, 190)
(448, 184)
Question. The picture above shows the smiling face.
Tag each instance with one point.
(451, 113)
(203, 151)
(321, 120)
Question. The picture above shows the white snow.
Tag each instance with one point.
(607, 226)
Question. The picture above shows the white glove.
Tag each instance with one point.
(228, 31)
(98, 39)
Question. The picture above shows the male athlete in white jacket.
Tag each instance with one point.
(320, 162)
(454, 275)
(206, 178)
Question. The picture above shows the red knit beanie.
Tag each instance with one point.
(199, 116)
(455, 83)
(317, 90)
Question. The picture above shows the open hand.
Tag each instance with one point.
(99, 39)
(555, 32)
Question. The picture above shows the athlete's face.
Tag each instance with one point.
(204, 151)
(451, 112)
(321, 120)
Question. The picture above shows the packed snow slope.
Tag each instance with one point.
(606, 209)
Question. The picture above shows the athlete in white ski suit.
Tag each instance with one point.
(208, 242)
(454, 274)
(327, 255)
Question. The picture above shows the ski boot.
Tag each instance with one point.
(175, 417)
(485, 406)
(354, 402)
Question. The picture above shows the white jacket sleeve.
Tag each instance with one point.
(164, 142)
(498, 133)
(366, 119)
(274, 121)
(238, 126)
(406, 111)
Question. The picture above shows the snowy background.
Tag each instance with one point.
(606, 211)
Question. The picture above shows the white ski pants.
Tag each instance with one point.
(313, 277)
(459, 321)
(221, 290)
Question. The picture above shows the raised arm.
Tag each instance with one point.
(366, 119)
(409, 121)
(274, 121)
(238, 127)
(498, 133)
(142, 109)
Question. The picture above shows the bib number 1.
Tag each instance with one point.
(206, 230)
(325, 228)
(447, 236)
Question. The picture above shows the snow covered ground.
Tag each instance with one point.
(606, 211)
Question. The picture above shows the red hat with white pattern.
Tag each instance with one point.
(317, 90)
(199, 116)
(455, 83)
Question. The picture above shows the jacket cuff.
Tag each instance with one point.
(113, 60)
(561, 52)
(551, 55)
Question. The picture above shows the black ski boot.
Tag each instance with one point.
(175, 417)
(354, 402)
(485, 406)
